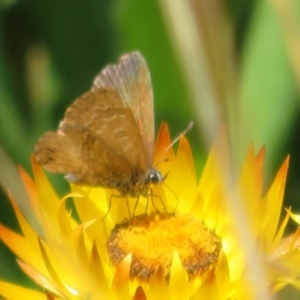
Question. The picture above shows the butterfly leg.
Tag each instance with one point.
(154, 205)
(110, 204)
(108, 210)
(177, 200)
(147, 205)
(135, 205)
(128, 208)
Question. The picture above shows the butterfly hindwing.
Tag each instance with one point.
(97, 143)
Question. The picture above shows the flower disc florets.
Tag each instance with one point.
(153, 239)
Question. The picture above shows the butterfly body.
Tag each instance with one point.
(106, 137)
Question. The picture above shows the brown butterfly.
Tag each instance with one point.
(106, 137)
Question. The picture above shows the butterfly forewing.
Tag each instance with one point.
(131, 78)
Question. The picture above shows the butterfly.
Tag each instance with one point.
(106, 137)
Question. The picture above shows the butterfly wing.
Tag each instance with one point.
(131, 78)
(97, 143)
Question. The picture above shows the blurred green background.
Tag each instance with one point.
(50, 51)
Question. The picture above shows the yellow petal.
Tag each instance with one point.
(39, 279)
(15, 292)
(24, 250)
(178, 279)
(158, 288)
(120, 284)
(273, 201)
(209, 288)
(182, 179)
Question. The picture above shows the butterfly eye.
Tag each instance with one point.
(155, 177)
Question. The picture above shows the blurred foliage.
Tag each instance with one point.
(50, 51)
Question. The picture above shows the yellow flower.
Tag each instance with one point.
(181, 243)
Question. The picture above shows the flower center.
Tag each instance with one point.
(153, 239)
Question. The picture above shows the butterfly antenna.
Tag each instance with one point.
(190, 126)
